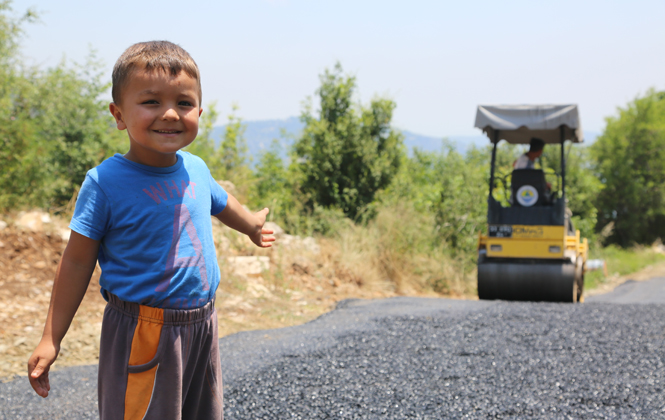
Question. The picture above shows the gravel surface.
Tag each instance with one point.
(414, 358)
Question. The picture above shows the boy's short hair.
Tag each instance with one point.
(151, 56)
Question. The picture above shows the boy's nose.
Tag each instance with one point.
(171, 115)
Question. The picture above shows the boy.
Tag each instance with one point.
(146, 217)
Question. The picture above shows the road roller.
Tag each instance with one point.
(531, 251)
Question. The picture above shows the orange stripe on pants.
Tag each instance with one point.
(144, 348)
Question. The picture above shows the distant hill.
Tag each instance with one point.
(260, 134)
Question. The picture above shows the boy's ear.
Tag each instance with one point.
(117, 114)
(200, 111)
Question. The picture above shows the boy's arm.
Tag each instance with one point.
(236, 217)
(71, 281)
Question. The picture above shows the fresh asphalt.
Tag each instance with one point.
(421, 358)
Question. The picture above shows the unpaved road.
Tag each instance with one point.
(424, 358)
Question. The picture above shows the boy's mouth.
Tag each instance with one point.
(167, 131)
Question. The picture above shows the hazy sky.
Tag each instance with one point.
(436, 59)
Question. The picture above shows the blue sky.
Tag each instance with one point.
(436, 59)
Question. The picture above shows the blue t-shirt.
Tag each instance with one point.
(154, 225)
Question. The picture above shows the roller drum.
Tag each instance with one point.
(532, 280)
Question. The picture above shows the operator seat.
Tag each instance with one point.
(529, 177)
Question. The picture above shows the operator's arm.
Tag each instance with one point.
(71, 281)
(236, 217)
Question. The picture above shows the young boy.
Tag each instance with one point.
(146, 217)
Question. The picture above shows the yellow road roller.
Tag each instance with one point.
(531, 251)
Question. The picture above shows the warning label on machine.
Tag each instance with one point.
(500, 231)
(528, 232)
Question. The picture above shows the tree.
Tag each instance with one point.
(73, 124)
(233, 147)
(272, 176)
(349, 152)
(448, 186)
(54, 125)
(582, 184)
(630, 160)
(204, 145)
(227, 161)
(230, 157)
(273, 187)
(17, 160)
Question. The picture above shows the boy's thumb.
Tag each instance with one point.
(39, 369)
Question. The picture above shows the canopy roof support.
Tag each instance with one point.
(563, 165)
(496, 142)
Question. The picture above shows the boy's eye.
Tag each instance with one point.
(150, 102)
(185, 103)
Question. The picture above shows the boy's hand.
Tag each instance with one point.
(38, 366)
(236, 217)
(257, 236)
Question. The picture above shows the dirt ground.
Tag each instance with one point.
(297, 288)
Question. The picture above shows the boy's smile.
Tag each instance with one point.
(160, 113)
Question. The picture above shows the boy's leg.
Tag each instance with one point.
(115, 344)
(131, 368)
(202, 376)
(157, 364)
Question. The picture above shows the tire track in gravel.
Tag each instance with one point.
(421, 358)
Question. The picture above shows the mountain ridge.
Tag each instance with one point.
(261, 133)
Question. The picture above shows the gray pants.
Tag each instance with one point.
(159, 363)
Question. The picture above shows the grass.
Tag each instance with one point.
(400, 251)
(620, 262)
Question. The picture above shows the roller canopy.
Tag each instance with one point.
(517, 124)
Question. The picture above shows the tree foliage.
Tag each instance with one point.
(582, 184)
(448, 186)
(227, 160)
(54, 128)
(349, 152)
(204, 145)
(233, 148)
(630, 159)
(272, 178)
(230, 156)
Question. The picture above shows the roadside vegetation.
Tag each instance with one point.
(621, 262)
(407, 221)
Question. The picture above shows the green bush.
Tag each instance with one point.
(630, 159)
(349, 152)
(451, 188)
(55, 127)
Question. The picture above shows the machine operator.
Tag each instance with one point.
(528, 159)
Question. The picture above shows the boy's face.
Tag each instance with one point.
(160, 113)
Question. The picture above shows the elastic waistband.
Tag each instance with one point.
(160, 315)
